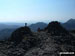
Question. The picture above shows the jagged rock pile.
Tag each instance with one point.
(55, 28)
(46, 47)
(7, 48)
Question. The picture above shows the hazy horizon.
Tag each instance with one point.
(32, 11)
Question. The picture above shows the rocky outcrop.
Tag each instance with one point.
(55, 28)
(19, 34)
(43, 43)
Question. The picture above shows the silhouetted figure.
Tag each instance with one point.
(25, 24)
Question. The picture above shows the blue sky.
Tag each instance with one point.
(36, 10)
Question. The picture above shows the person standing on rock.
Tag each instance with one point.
(25, 24)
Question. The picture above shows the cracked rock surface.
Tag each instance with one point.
(48, 46)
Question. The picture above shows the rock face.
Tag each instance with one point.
(19, 34)
(23, 36)
(55, 28)
(38, 43)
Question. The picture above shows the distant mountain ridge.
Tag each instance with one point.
(6, 33)
(6, 30)
(35, 26)
(5, 26)
(70, 24)
(71, 21)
